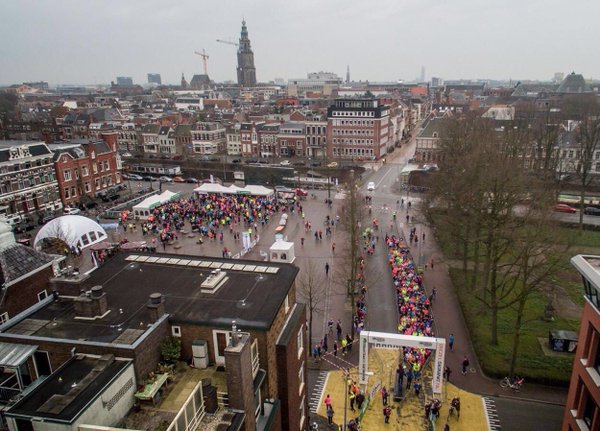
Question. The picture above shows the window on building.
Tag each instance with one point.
(255, 357)
(94, 168)
(176, 331)
(42, 295)
(87, 187)
(302, 413)
(301, 378)
(300, 341)
(286, 304)
(4, 318)
(67, 193)
(589, 410)
(85, 171)
(67, 174)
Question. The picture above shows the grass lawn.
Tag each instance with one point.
(532, 363)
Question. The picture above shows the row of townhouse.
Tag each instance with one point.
(353, 128)
(38, 179)
(568, 152)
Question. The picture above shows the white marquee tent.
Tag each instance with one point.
(74, 230)
(253, 190)
(144, 208)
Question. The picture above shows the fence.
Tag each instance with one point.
(191, 413)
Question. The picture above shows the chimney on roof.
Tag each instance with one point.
(233, 333)
(92, 306)
(156, 306)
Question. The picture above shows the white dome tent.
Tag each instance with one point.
(74, 230)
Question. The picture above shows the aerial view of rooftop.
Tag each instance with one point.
(278, 219)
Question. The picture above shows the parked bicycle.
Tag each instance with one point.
(515, 384)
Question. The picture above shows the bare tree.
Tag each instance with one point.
(312, 291)
(352, 217)
(586, 111)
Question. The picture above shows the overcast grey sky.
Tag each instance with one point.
(93, 41)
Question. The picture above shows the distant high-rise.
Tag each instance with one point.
(422, 74)
(246, 72)
(125, 80)
(154, 78)
(348, 74)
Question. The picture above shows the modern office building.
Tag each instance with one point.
(154, 78)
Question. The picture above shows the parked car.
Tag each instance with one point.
(165, 179)
(250, 161)
(370, 186)
(178, 180)
(71, 210)
(564, 208)
(148, 178)
(191, 180)
(45, 219)
(135, 177)
(284, 163)
(23, 227)
(299, 163)
(592, 211)
(236, 161)
(301, 192)
(315, 163)
(332, 165)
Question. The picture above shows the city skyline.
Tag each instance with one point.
(94, 42)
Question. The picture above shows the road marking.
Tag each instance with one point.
(383, 178)
(318, 391)
(491, 414)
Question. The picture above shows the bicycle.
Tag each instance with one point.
(514, 384)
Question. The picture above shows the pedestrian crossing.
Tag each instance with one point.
(317, 393)
(491, 414)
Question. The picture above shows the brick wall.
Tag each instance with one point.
(23, 294)
(289, 364)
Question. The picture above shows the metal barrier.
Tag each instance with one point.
(223, 399)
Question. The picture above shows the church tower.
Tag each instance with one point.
(246, 73)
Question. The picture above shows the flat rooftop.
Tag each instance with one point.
(251, 293)
(64, 394)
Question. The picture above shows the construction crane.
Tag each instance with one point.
(204, 56)
(228, 42)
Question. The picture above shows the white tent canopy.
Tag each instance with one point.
(215, 188)
(74, 230)
(144, 208)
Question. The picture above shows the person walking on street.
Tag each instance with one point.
(417, 387)
(339, 329)
(409, 377)
(447, 372)
(465, 365)
(325, 347)
(302, 242)
(387, 411)
(330, 414)
(384, 396)
(326, 268)
(451, 341)
(344, 345)
(327, 400)
(335, 349)
(333, 247)
(360, 399)
(352, 397)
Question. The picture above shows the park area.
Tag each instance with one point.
(555, 306)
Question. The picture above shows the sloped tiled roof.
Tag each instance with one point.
(573, 83)
(18, 260)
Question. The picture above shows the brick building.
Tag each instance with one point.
(258, 337)
(357, 128)
(582, 411)
(86, 168)
(24, 272)
(28, 186)
(291, 139)
(208, 138)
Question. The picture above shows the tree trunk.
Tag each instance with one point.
(494, 306)
(517, 336)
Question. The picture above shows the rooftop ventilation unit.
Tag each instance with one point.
(214, 281)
